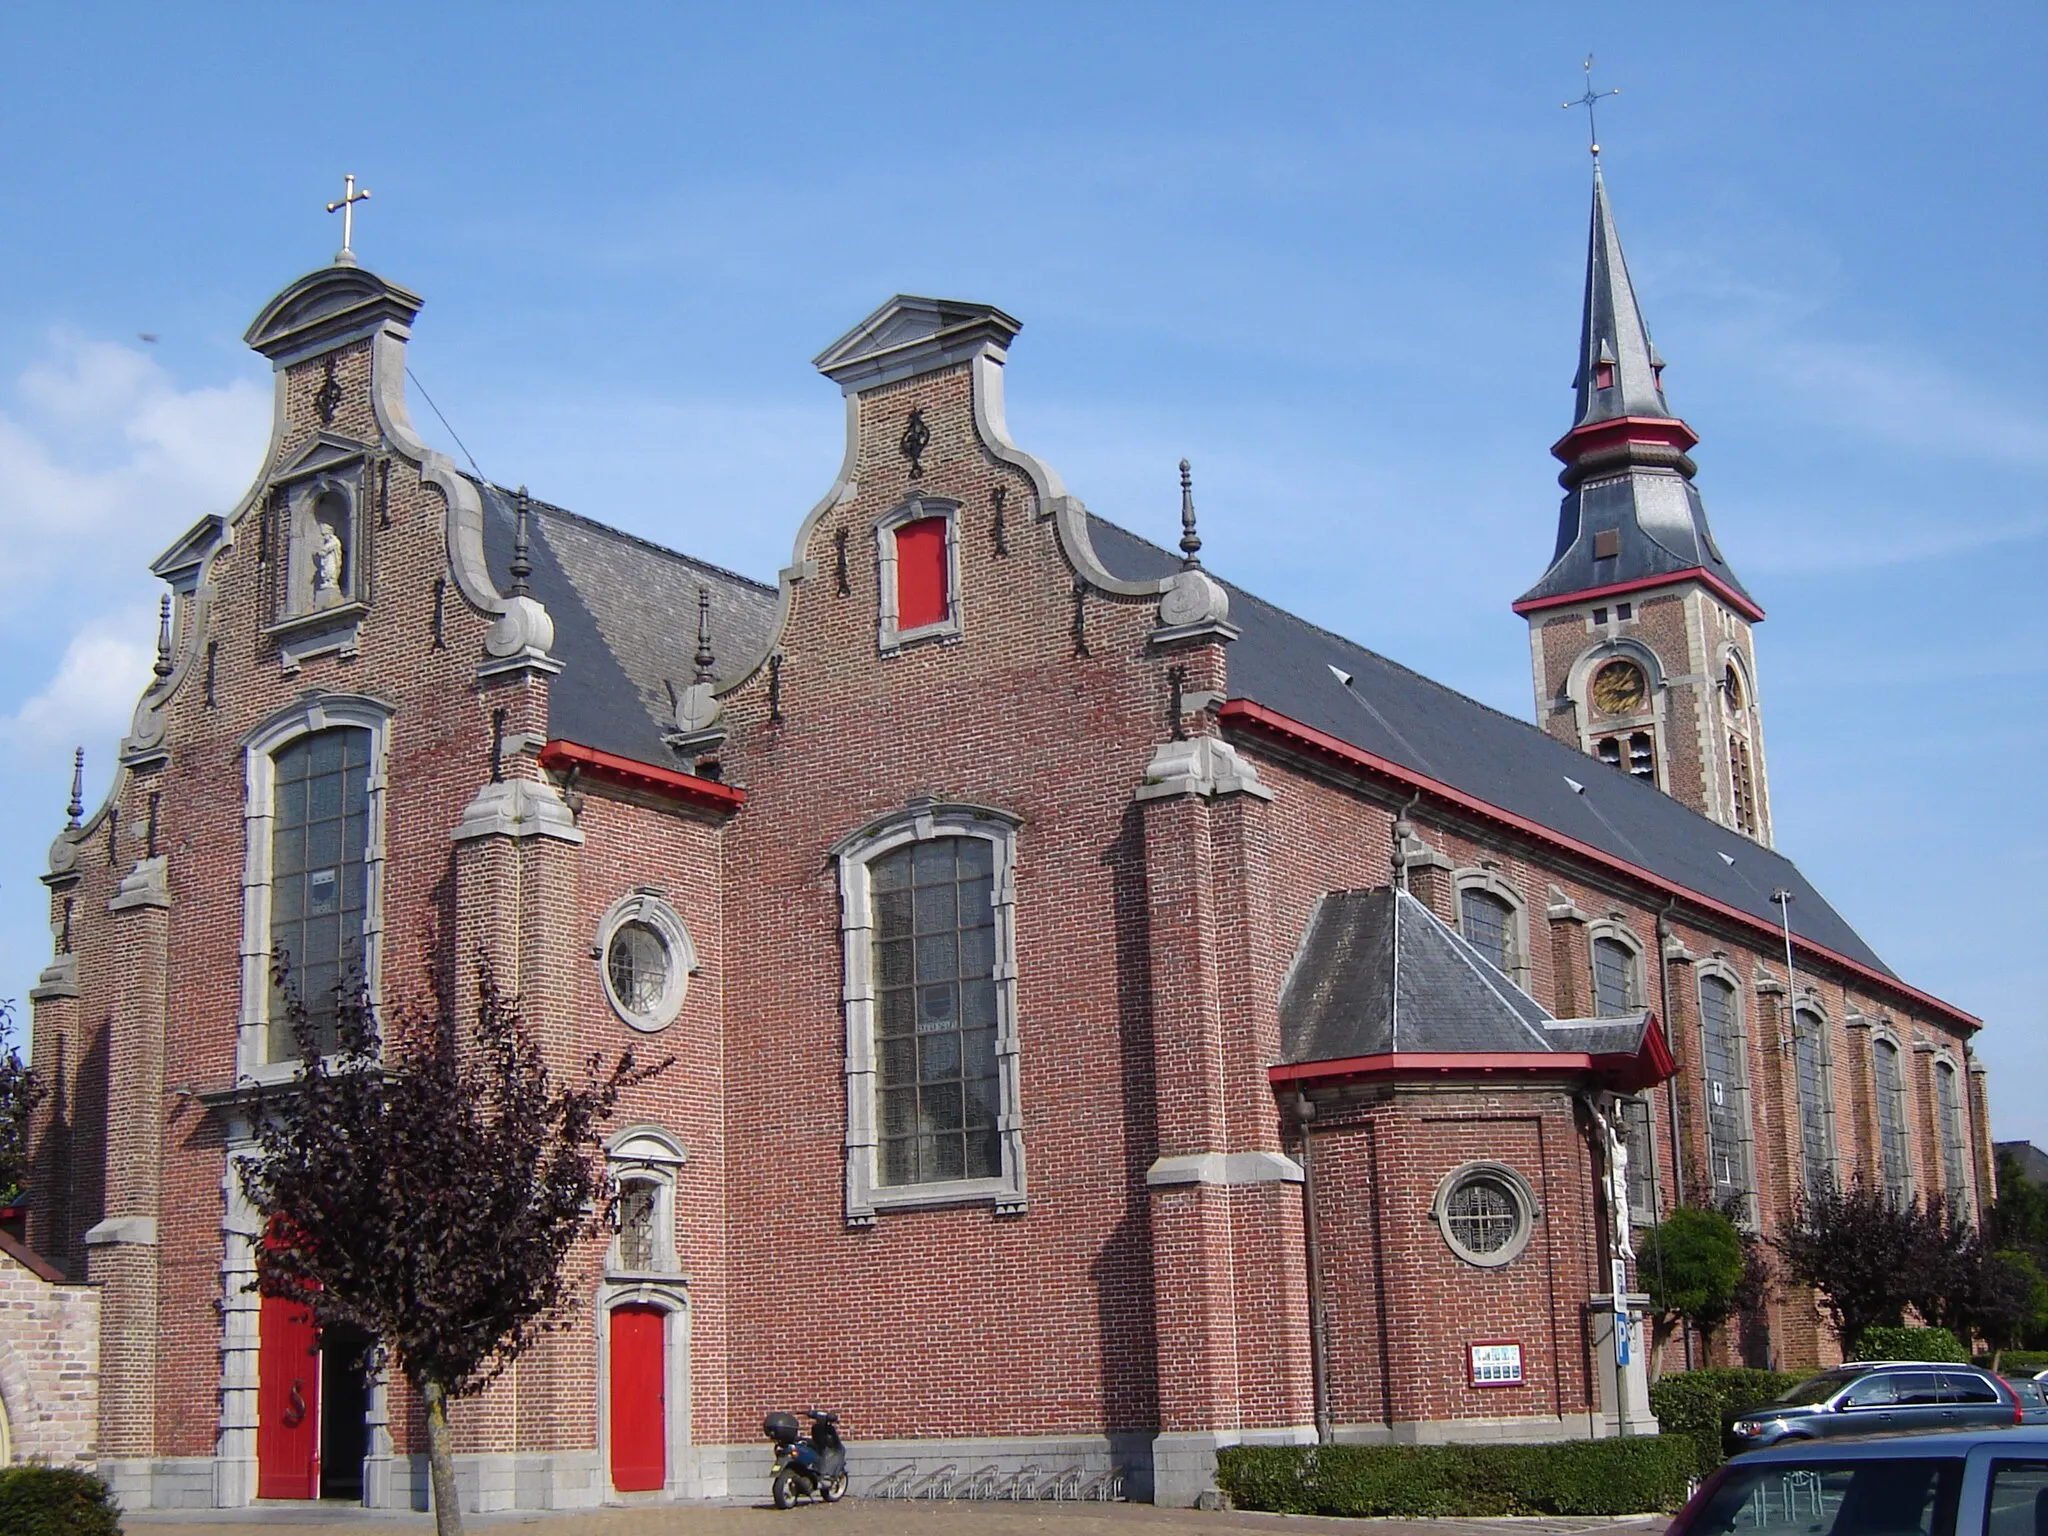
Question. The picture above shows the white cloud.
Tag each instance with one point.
(93, 691)
(101, 450)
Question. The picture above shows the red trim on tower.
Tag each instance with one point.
(667, 782)
(1699, 573)
(1246, 715)
(1596, 435)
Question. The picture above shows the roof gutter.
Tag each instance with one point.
(1464, 1064)
(1257, 718)
(608, 767)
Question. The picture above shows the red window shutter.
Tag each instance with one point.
(921, 595)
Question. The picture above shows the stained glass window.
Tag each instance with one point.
(1726, 1092)
(1614, 979)
(1816, 1142)
(1483, 1214)
(1891, 1122)
(1955, 1174)
(1488, 922)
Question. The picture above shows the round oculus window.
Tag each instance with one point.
(644, 959)
(1484, 1212)
(638, 964)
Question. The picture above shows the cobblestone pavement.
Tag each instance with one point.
(882, 1517)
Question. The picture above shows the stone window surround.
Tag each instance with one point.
(1592, 724)
(1739, 1046)
(888, 636)
(1616, 931)
(922, 822)
(1882, 1034)
(645, 905)
(1807, 1012)
(1480, 877)
(648, 1154)
(1528, 1211)
(1945, 1059)
(260, 747)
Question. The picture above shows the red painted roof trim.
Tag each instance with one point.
(1648, 1067)
(1247, 715)
(1698, 573)
(1595, 435)
(31, 1261)
(667, 782)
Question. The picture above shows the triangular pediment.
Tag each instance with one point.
(324, 452)
(910, 335)
(191, 550)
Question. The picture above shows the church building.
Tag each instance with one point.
(1113, 1019)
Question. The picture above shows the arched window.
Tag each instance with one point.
(1491, 924)
(645, 1162)
(1726, 1093)
(319, 866)
(1617, 988)
(1816, 1099)
(1892, 1152)
(1955, 1162)
(933, 1106)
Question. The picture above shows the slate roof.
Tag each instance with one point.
(1379, 973)
(1611, 329)
(1662, 524)
(1292, 667)
(625, 614)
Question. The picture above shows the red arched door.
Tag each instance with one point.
(639, 1391)
(287, 1402)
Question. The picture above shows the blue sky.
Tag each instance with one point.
(1333, 254)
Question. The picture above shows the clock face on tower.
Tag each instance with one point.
(1619, 688)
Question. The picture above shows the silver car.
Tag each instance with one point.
(1879, 1397)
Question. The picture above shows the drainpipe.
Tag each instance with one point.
(1318, 1366)
(1671, 1091)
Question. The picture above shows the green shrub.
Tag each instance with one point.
(1695, 1404)
(1910, 1344)
(37, 1500)
(1573, 1477)
(2018, 1362)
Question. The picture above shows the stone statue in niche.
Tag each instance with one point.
(326, 566)
(322, 570)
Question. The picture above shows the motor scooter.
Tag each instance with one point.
(806, 1468)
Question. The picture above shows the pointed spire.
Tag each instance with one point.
(704, 659)
(1190, 541)
(76, 809)
(162, 669)
(522, 563)
(1620, 372)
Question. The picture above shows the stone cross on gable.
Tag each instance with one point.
(347, 209)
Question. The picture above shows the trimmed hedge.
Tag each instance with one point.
(1571, 1477)
(1695, 1404)
(1910, 1344)
(55, 1501)
(2018, 1362)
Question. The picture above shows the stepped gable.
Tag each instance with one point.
(1285, 663)
(625, 615)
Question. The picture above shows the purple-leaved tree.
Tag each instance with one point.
(423, 1181)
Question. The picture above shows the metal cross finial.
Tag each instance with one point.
(704, 659)
(1190, 541)
(76, 808)
(522, 563)
(347, 209)
(1588, 101)
(162, 669)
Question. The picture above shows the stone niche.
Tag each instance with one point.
(323, 553)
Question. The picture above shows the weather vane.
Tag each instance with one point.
(347, 209)
(1587, 101)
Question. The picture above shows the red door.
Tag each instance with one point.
(639, 1393)
(287, 1402)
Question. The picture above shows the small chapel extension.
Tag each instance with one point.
(1180, 1026)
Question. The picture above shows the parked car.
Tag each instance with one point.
(2033, 1396)
(1966, 1483)
(1879, 1397)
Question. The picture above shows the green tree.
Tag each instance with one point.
(2019, 1219)
(1692, 1266)
(20, 1093)
(424, 1183)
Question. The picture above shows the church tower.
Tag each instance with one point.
(1640, 633)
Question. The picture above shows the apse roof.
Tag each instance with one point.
(1377, 973)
